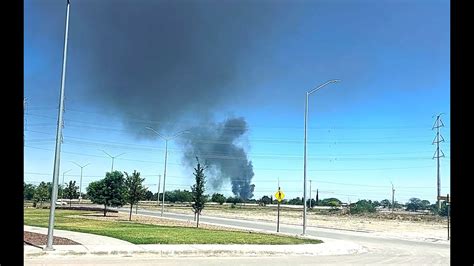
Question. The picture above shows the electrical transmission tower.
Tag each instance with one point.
(438, 139)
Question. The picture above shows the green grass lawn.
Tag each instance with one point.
(138, 233)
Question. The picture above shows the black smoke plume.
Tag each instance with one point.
(162, 63)
(163, 60)
(216, 145)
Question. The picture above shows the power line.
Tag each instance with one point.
(253, 126)
(285, 141)
(268, 157)
(254, 180)
(225, 156)
(85, 140)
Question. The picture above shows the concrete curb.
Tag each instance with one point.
(200, 250)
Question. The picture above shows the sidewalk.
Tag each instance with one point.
(102, 245)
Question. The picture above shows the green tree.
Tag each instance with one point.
(444, 209)
(362, 206)
(71, 191)
(386, 203)
(135, 189)
(425, 204)
(442, 212)
(109, 191)
(149, 195)
(28, 191)
(397, 205)
(180, 196)
(310, 203)
(41, 193)
(198, 190)
(219, 198)
(265, 200)
(296, 201)
(332, 202)
(376, 204)
(414, 204)
(50, 189)
(234, 200)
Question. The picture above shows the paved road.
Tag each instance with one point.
(381, 250)
(218, 261)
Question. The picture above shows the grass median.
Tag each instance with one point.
(139, 233)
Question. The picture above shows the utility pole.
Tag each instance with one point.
(80, 182)
(393, 197)
(59, 135)
(310, 199)
(164, 179)
(317, 197)
(447, 206)
(166, 139)
(158, 196)
(438, 123)
(305, 151)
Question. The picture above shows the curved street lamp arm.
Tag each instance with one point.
(76, 163)
(107, 154)
(322, 85)
(156, 132)
(80, 165)
(120, 154)
(179, 134)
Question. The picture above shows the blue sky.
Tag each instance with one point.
(372, 128)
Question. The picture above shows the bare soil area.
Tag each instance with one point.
(400, 225)
(36, 239)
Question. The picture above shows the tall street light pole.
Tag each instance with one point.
(158, 193)
(305, 137)
(62, 194)
(113, 157)
(166, 139)
(59, 136)
(80, 182)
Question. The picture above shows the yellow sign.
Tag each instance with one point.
(279, 195)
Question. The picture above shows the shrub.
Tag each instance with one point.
(362, 206)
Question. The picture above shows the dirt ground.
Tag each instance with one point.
(36, 239)
(400, 225)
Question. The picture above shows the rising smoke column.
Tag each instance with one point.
(215, 145)
(164, 63)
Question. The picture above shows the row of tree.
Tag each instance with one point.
(42, 192)
(361, 206)
(116, 189)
